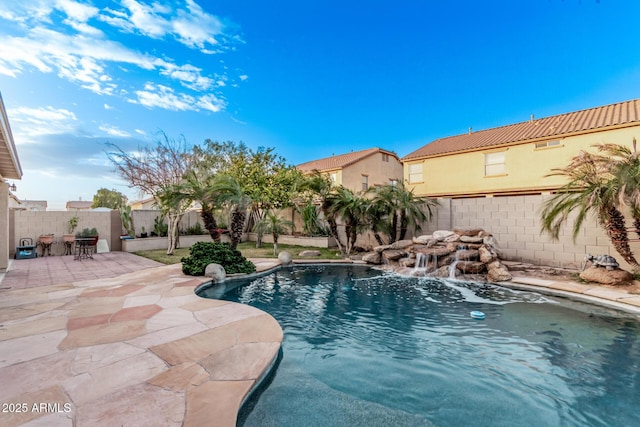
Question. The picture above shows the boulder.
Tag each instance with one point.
(468, 255)
(422, 240)
(216, 272)
(394, 254)
(492, 244)
(382, 248)
(471, 267)
(497, 272)
(407, 262)
(442, 234)
(372, 258)
(309, 253)
(446, 260)
(486, 255)
(469, 239)
(452, 238)
(444, 272)
(617, 277)
(285, 258)
(437, 251)
(401, 244)
(468, 231)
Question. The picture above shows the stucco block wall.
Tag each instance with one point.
(515, 223)
(32, 224)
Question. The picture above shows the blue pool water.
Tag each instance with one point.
(367, 348)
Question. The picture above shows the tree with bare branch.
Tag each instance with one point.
(154, 170)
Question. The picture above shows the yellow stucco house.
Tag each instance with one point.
(358, 170)
(515, 159)
(9, 169)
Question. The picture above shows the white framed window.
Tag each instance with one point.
(334, 178)
(415, 173)
(393, 182)
(494, 163)
(365, 182)
(548, 144)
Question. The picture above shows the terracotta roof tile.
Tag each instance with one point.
(548, 127)
(340, 161)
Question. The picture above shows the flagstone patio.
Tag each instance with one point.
(130, 348)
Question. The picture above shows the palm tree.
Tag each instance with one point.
(274, 224)
(592, 188)
(394, 208)
(344, 203)
(321, 187)
(197, 187)
(624, 165)
(228, 190)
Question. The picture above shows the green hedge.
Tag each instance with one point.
(202, 254)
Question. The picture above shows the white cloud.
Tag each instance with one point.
(140, 132)
(30, 123)
(65, 37)
(243, 77)
(114, 131)
(159, 96)
(109, 107)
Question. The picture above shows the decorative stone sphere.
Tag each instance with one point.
(216, 272)
(285, 258)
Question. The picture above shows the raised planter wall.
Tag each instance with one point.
(151, 243)
(316, 242)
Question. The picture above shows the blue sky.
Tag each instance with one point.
(310, 78)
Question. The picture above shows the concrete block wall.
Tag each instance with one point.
(146, 219)
(515, 223)
(32, 224)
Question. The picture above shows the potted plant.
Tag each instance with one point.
(89, 233)
(143, 234)
(72, 224)
(46, 239)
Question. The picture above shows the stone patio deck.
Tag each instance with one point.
(139, 348)
(135, 346)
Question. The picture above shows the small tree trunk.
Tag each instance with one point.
(613, 222)
(172, 235)
(393, 233)
(403, 225)
(210, 223)
(275, 244)
(333, 227)
(238, 218)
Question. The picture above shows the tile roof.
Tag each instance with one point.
(340, 161)
(621, 113)
(79, 204)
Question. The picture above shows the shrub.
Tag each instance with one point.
(202, 254)
(160, 228)
(194, 230)
(88, 232)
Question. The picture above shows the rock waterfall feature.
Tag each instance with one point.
(472, 253)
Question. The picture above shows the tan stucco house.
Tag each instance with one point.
(78, 205)
(9, 169)
(515, 159)
(358, 170)
(149, 203)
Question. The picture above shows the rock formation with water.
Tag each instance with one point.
(445, 253)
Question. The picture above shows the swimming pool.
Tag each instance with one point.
(363, 347)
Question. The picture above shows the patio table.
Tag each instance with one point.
(84, 248)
